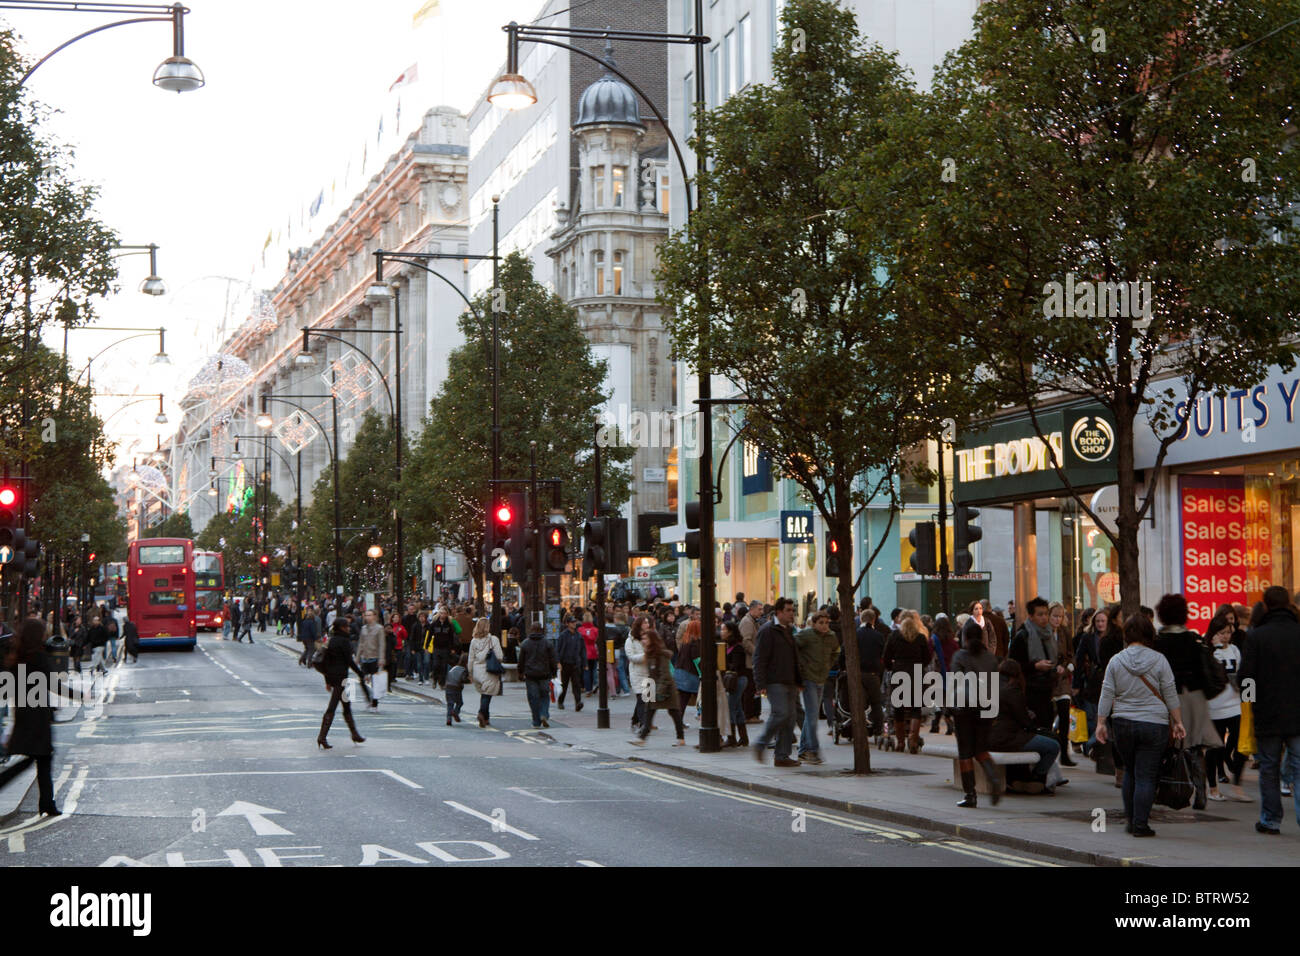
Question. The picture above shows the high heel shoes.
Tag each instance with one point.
(324, 744)
(358, 739)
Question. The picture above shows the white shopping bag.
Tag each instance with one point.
(378, 684)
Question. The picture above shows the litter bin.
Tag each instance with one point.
(60, 652)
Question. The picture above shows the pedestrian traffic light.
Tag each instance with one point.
(616, 545)
(438, 570)
(593, 547)
(922, 539)
(519, 536)
(964, 533)
(832, 557)
(693, 536)
(555, 547)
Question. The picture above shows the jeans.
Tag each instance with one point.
(624, 679)
(1225, 757)
(812, 711)
(455, 700)
(1140, 745)
(1271, 768)
(1047, 749)
(736, 702)
(780, 721)
(1090, 709)
(112, 648)
(484, 704)
(648, 720)
(589, 675)
(225, 629)
(539, 698)
(422, 659)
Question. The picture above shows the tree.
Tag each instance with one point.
(175, 525)
(799, 306)
(1130, 141)
(236, 536)
(549, 389)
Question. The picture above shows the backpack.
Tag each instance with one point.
(1216, 675)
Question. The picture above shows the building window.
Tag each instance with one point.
(688, 102)
(598, 270)
(712, 94)
(729, 65)
(618, 272)
(597, 187)
(564, 282)
(617, 181)
(665, 191)
(744, 58)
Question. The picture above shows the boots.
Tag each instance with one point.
(991, 772)
(352, 724)
(968, 784)
(731, 739)
(914, 741)
(934, 724)
(324, 730)
(743, 734)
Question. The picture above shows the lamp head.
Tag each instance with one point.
(178, 74)
(160, 419)
(160, 359)
(375, 551)
(264, 420)
(511, 91)
(304, 360)
(153, 285)
(377, 293)
(212, 491)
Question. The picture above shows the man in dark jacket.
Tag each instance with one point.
(1271, 666)
(572, 653)
(537, 665)
(443, 642)
(776, 671)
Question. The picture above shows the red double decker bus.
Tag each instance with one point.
(209, 589)
(160, 591)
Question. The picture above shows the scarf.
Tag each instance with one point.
(1046, 640)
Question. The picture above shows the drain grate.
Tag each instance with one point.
(1158, 815)
(883, 772)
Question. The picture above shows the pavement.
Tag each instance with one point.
(1082, 822)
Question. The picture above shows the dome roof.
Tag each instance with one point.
(608, 100)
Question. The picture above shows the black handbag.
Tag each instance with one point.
(1177, 786)
(730, 681)
(318, 657)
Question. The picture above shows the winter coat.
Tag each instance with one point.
(637, 669)
(537, 658)
(966, 661)
(484, 683)
(902, 655)
(748, 636)
(776, 658)
(371, 645)
(338, 660)
(660, 671)
(570, 648)
(816, 653)
(1186, 656)
(440, 635)
(1272, 660)
(32, 735)
(589, 635)
(1013, 727)
(1125, 693)
(309, 630)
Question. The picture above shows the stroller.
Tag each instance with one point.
(840, 715)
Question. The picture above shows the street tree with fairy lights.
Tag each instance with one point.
(801, 309)
(1072, 148)
(550, 391)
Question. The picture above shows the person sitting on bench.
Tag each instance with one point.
(1014, 726)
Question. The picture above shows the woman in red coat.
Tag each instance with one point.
(589, 637)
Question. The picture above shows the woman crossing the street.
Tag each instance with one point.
(338, 660)
(32, 734)
(485, 668)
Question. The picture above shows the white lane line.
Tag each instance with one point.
(263, 773)
(230, 672)
(400, 779)
(498, 826)
(535, 796)
(17, 834)
(590, 863)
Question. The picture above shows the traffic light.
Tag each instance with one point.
(555, 547)
(12, 536)
(519, 543)
(922, 539)
(693, 536)
(438, 571)
(264, 560)
(594, 533)
(616, 545)
(31, 567)
(832, 557)
(964, 533)
(500, 516)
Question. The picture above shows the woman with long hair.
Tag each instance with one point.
(662, 690)
(488, 684)
(338, 661)
(32, 734)
(971, 725)
(903, 652)
(735, 651)
(1058, 621)
(686, 678)
(637, 668)
(1225, 710)
(944, 638)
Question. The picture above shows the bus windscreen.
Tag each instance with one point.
(162, 554)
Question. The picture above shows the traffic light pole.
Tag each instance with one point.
(943, 534)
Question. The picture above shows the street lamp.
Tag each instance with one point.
(264, 420)
(512, 92)
(152, 284)
(161, 357)
(176, 74)
(375, 552)
(158, 359)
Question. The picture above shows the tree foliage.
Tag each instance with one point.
(237, 537)
(549, 389)
(1118, 141)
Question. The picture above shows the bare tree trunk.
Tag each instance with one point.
(841, 531)
(1126, 524)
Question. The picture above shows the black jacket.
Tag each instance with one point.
(32, 736)
(1272, 660)
(338, 658)
(97, 636)
(536, 658)
(1184, 650)
(900, 654)
(442, 633)
(131, 634)
(871, 650)
(308, 630)
(776, 659)
(570, 648)
(1013, 727)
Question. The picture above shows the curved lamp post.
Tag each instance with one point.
(177, 73)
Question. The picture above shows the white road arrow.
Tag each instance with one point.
(256, 819)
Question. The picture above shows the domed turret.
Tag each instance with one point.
(609, 100)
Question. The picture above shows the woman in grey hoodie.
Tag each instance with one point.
(1139, 695)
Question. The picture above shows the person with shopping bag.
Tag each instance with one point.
(370, 653)
(1139, 696)
(334, 661)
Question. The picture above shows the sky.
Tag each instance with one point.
(294, 96)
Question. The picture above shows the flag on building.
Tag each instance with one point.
(317, 203)
(380, 135)
(409, 76)
(430, 9)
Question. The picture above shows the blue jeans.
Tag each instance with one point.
(1090, 709)
(1271, 768)
(624, 678)
(812, 715)
(780, 721)
(112, 648)
(539, 699)
(1140, 745)
(735, 701)
(225, 629)
(1047, 749)
(485, 704)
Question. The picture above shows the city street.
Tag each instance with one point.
(208, 759)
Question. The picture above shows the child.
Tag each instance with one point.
(456, 678)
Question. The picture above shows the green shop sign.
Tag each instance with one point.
(1008, 460)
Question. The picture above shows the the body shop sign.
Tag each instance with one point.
(1227, 548)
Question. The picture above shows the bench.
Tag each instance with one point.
(1001, 759)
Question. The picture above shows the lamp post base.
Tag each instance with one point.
(710, 740)
(602, 718)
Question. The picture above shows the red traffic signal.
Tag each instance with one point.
(504, 514)
(557, 538)
(91, 557)
(265, 559)
(8, 496)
